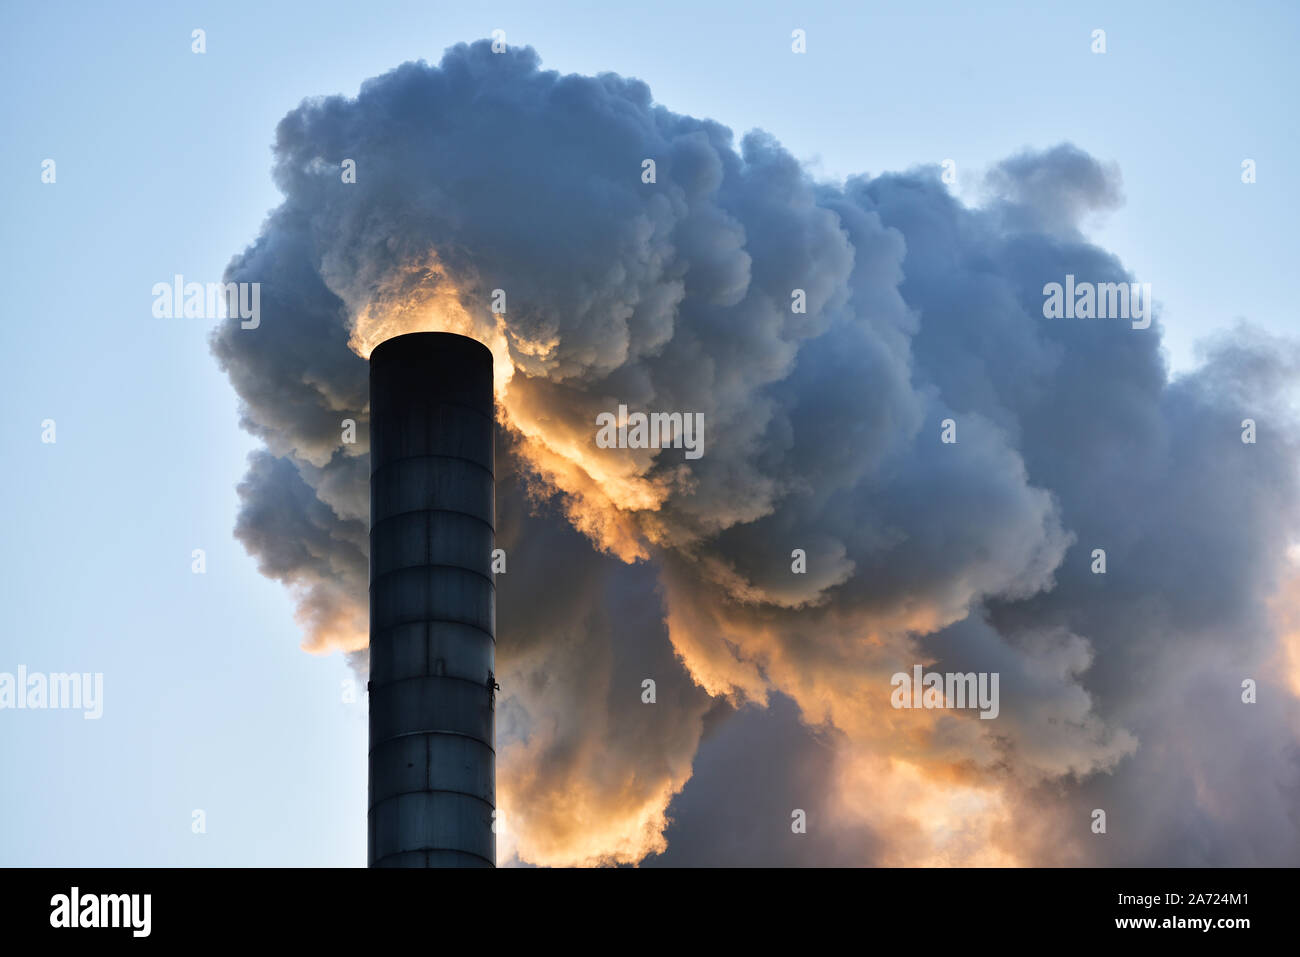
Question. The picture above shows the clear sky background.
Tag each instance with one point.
(163, 160)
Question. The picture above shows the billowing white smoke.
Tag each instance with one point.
(823, 433)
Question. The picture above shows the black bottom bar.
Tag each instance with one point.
(961, 908)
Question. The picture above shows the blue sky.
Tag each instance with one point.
(163, 161)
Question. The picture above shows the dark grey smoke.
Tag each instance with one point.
(1119, 692)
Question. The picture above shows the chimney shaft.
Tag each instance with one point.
(432, 603)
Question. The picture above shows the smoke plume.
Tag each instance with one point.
(487, 182)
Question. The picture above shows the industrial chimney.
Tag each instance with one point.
(432, 603)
